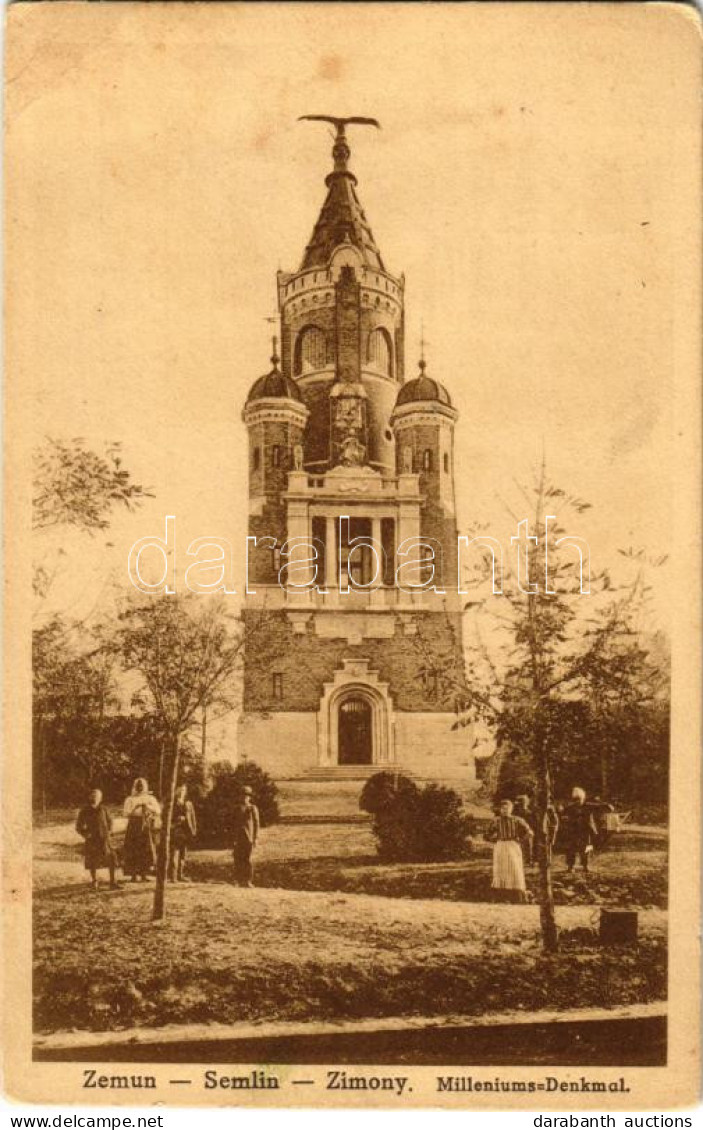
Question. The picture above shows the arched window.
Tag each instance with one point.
(379, 351)
(427, 459)
(256, 458)
(310, 351)
(446, 463)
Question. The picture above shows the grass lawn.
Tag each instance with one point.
(618, 877)
(229, 955)
(631, 872)
(321, 938)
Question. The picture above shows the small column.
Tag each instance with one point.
(378, 544)
(299, 527)
(408, 527)
(331, 555)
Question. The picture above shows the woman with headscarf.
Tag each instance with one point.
(143, 812)
(508, 834)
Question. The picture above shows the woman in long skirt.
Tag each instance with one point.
(509, 833)
(143, 811)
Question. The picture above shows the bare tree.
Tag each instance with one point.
(75, 492)
(74, 486)
(544, 641)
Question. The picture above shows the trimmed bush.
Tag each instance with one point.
(215, 810)
(381, 792)
(423, 825)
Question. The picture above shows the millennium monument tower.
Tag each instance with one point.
(351, 465)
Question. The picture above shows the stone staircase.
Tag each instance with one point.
(325, 796)
(331, 795)
(349, 772)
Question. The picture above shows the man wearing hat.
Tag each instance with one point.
(523, 810)
(245, 830)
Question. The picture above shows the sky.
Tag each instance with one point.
(527, 180)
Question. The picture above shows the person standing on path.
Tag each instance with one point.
(143, 813)
(508, 832)
(94, 823)
(184, 829)
(601, 811)
(579, 831)
(245, 832)
(522, 809)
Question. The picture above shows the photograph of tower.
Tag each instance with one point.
(351, 454)
(352, 628)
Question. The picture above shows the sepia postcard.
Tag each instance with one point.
(352, 542)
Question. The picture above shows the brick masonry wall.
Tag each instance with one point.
(323, 317)
(348, 328)
(317, 431)
(306, 662)
(400, 347)
(435, 520)
(346, 324)
(271, 523)
(271, 482)
(381, 400)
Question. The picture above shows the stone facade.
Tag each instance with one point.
(347, 669)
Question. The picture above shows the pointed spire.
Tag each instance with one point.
(342, 218)
(273, 320)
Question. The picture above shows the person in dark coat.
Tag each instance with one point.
(600, 811)
(544, 831)
(245, 832)
(94, 823)
(522, 810)
(579, 830)
(184, 828)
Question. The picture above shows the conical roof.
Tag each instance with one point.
(342, 219)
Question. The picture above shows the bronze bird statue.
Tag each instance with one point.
(339, 123)
(340, 149)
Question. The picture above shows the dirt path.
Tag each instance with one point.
(226, 954)
(57, 849)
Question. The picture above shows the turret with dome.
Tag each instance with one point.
(423, 388)
(274, 384)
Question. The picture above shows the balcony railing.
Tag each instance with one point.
(379, 599)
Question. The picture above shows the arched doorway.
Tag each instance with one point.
(355, 731)
(367, 730)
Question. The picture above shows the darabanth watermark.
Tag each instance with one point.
(354, 564)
